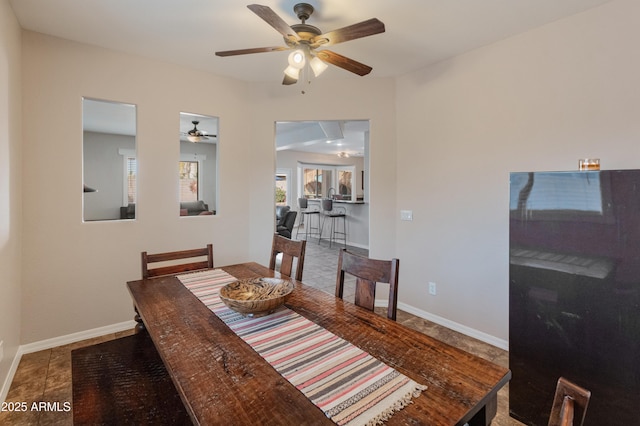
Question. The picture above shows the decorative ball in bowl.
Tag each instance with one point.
(257, 296)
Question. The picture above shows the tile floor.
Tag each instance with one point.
(46, 375)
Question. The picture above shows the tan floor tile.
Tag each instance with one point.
(19, 418)
(59, 384)
(32, 369)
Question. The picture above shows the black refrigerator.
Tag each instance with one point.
(574, 292)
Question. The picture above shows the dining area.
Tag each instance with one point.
(314, 358)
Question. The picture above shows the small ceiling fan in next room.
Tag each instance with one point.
(307, 43)
(196, 135)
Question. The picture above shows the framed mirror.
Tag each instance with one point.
(109, 169)
(198, 165)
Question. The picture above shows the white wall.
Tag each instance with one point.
(538, 101)
(74, 278)
(10, 193)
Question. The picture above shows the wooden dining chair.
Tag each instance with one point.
(175, 268)
(569, 404)
(290, 249)
(368, 273)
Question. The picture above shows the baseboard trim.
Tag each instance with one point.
(59, 341)
(9, 379)
(358, 245)
(460, 328)
(76, 337)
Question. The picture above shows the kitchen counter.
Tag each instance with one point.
(348, 202)
(338, 201)
(357, 221)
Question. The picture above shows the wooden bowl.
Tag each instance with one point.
(257, 296)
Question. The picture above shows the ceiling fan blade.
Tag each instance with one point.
(344, 62)
(351, 32)
(272, 18)
(248, 51)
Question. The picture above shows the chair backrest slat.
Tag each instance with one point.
(368, 273)
(290, 250)
(148, 259)
(569, 404)
(567, 411)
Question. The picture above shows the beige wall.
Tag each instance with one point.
(10, 194)
(538, 101)
(79, 283)
(75, 278)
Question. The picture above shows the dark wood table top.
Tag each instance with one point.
(221, 378)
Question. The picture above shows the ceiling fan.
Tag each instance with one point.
(195, 135)
(304, 40)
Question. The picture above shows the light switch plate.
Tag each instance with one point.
(1, 350)
(406, 214)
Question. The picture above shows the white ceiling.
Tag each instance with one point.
(418, 32)
(188, 32)
(325, 137)
(108, 117)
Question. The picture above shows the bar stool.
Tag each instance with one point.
(334, 214)
(306, 213)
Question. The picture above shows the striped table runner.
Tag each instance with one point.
(350, 386)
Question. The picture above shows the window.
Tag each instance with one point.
(312, 182)
(283, 187)
(188, 181)
(319, 180)
(345, 182)
(132, 176)
(129, 176)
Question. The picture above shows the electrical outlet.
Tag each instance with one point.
(432, 288)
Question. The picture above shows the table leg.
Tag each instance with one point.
(486, 414)
(139, 324)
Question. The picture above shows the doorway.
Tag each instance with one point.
(325, 159)
(320, 159)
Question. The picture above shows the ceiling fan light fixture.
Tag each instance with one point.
(195, 135)
(292, 72)
(318, 66)
(297, 59)
(303, 40)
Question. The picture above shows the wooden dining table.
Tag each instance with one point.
(222, 380)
